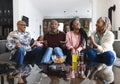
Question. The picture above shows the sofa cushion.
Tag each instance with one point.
(116, 47)
(3, 47)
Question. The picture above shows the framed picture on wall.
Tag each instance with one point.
(26, 19)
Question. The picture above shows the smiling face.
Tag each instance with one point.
(100, 23)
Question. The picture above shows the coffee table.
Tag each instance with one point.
(54, 77)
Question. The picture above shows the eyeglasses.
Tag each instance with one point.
(22, 24)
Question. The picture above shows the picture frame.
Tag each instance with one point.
(26, 20)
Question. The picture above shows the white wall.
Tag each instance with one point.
(116, 14)
(100, 8)
(26, 8)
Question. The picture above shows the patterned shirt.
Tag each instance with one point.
(23, 37)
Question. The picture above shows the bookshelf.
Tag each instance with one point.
(6, 31)
(6, 18)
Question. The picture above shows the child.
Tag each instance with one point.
(38, 43)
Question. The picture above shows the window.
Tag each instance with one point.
(60, 26)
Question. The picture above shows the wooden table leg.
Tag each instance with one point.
(24, 79)
(2, 79)
(10, 80)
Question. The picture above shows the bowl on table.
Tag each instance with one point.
(58, 60)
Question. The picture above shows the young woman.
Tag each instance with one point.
(76, 39)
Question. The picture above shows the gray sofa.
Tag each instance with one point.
(116, 47)
(5, 54)
(116, 67)
(2, 46)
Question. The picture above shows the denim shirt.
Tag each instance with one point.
(24, 38)
(98, 39)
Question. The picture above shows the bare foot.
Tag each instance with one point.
(91, 77)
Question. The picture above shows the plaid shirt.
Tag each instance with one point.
(24, 38)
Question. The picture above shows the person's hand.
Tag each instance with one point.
(18, 45)
(73, 50)
(77, 52)
(41, 42)
(63, 42)
(91, 39)
(13, 36)
(45, 42)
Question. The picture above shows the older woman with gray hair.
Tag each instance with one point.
(102, 55)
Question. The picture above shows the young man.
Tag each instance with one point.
(54, 44)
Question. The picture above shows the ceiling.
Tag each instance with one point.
(64, 8)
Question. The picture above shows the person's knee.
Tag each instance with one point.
(91, 54)
(57, 49)
(109, 78)
(50, 48)
(108, 58)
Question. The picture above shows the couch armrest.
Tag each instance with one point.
(116, 47)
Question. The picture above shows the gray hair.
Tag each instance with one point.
(107, 23)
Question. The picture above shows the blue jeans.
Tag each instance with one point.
(34, 54)
(106, 57)
(50, 51)
(69, 57)
(18, 57)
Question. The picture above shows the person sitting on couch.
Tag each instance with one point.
(54, 45)
(18, 42)
(39, 42)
